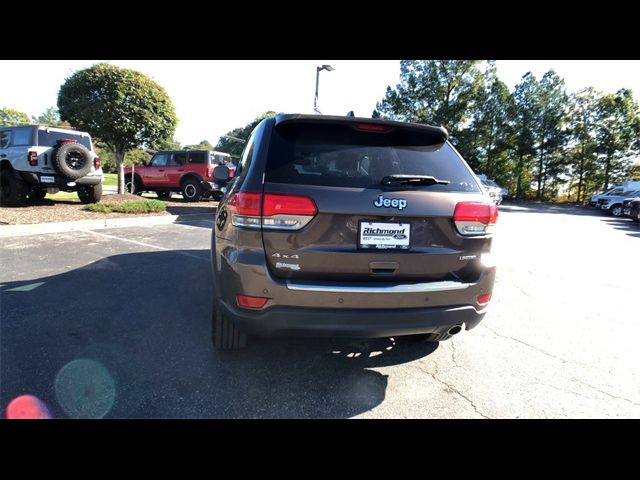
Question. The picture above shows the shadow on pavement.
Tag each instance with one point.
(625, 224)
(128, 336)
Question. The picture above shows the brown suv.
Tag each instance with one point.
(354, 227)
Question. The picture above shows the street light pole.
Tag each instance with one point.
(328, 68)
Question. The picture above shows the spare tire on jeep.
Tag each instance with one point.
(72, 160)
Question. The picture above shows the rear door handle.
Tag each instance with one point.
(181, 169)
(161, 170)
(3, 155)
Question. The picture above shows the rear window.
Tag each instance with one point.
(4, 138)
(340, 156)
(50, 139)
(197, 157)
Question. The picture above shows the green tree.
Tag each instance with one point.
(618, 134)
(582, 120)
(525, 118)
(10, 117)
(235, 147)
(167, 144)
(123, 108)
(436, 92)
(490, 132)
(203, 145)
(51, 117)
(551, 101)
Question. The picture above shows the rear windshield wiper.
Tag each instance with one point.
(412, 180)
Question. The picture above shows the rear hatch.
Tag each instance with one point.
(370, 223)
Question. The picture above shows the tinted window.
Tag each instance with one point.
(50, 139)
(4, 138)
(220, 159)
(198, 157)
(22, 136)
(177, 158)
(343, 157)
(247, 156)
(160, 160)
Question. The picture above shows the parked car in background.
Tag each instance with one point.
(635, 210)
(613, 203)
(626, 186)
(36, 160)
(188, 172)
(628, 203)
(346, 226)
(493, 189)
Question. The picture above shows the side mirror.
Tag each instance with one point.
(221, 173)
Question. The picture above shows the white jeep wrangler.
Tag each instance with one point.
(36, 160)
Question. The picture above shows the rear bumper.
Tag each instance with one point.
(361, 323)
(58, 181)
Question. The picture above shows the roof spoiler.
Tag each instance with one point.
(419, 127)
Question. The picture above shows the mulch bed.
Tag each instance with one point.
(45, 211)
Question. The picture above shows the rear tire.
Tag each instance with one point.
(225, 334)
(616, 210)
(635, 214)
(191, 190)
(90, 194)
(137, 188)
(13, 191)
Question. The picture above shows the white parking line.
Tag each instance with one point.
(148, 245)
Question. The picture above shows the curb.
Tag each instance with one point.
(62, 227)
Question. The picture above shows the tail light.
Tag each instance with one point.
(209, 172)
(372, 127)
(483, 299)
(273, 211)
(96, 163)
(247, 301)
(33, 158)
(475, 218)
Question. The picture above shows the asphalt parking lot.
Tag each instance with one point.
(114, 323)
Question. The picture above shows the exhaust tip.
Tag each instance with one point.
(455, 330)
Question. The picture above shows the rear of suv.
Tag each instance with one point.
(36, 160)
(189, 172)
(346, 226)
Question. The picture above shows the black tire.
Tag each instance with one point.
(225, 334)
(217, 196)
(164, 195)
(13, 191)
(635, 214)
(191, 190)
(616, 210)
(36, 193)
(137, 188)
(90, 193)
(72, 160)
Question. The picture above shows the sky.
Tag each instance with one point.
(213, 96)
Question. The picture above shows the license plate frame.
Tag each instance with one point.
(365, 242)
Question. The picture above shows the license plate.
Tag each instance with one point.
(384, 235)
(47, 179)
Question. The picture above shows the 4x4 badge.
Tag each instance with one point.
(388, 202)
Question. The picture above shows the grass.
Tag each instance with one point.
(110, 180)
(128, 206)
